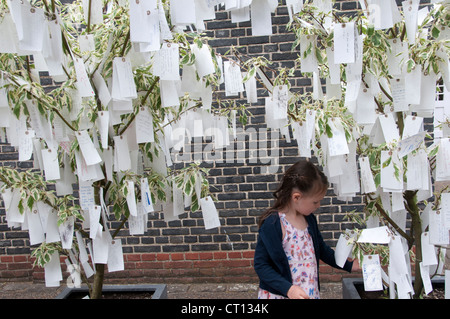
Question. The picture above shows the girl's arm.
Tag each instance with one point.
(327, 255)
(266, 270)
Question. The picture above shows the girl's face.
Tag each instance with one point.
(306, 204)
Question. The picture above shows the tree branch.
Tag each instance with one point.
(394, 224)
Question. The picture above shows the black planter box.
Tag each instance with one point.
(349, 290)
(157, 291)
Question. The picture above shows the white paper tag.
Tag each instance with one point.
(344, 247)
(371, 270)
(87, 148)
(344, 43)
(167, 62)
(144, 126)
(131, 198)
(261, 20)
(115, 256)
(210, 214)
(51, 164)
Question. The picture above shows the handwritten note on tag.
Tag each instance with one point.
(344, 43)
(83, 84)
(417, 175)
(371, 269)
(280, 98)
(233, 78)
(144, 126)
(136, 224)
(439, 234)
(367, 180)
(410, 144)
(445, 209)
(167, 62)
(443, 160)
(398, 94)
(26, 145)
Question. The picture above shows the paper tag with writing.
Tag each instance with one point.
(371, 269)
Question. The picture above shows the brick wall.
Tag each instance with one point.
(183, 251)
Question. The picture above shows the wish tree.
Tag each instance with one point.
(108, 125)
(120, 109)
(385, 69)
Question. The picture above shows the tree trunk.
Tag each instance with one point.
(99, 275)
(416, 225)
(97, 287)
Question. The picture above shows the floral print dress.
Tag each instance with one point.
(299, 249)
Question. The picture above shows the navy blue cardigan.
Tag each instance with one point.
(271, 263)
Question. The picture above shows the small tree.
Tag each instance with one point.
(381, 67)
(364, 81)
(112, 113)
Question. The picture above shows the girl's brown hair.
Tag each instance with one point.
(303, 176)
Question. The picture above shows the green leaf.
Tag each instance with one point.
(328, 131)
(410, 64)
(30, 202)
(20, 206)
(376, 39)
(435, 32)
(319, 56)
(387, 162)
(194, 206)
(188, 188)
(377, 179)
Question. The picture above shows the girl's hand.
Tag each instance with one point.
(295, 292)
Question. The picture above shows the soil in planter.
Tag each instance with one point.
(437, 293)
(116, 295)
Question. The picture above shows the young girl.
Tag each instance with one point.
(289, 244)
